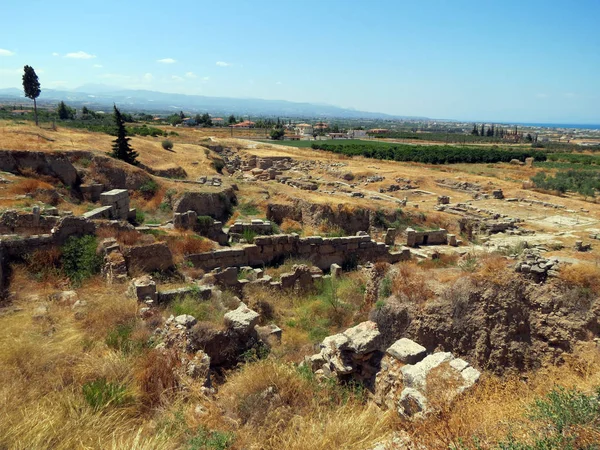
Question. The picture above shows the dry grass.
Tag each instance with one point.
(124, 237)
(188, 243)
(29, 186)
(275, 407)
(584, 275)
(410, 282)
(497, 407)
(290, 226)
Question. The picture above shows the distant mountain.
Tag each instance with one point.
(103, 97)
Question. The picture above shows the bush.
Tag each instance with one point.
(218, 165)
(149, 188)
(167, 144)
(101, 393)
(79, 258)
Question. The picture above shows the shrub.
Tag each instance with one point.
(140, 216)
(45, 264)
(101, 393)
(79, 258)
(149, 188)
(156, 378)
(218, 165)
(167, 144)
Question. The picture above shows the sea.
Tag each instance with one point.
(581, 126)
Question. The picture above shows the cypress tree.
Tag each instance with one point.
(121, 148)
(31, 86)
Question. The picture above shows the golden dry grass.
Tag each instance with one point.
(274, 407)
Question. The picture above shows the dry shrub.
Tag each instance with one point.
(492, 267)
(154, 202)
(411, 283)
(156, 377)
(188, 244)
(29, 186)
(497, 406)
(45, 265)
(109, 307)
(583, 275)
(290, 226)
(277, 407)
(124, 237)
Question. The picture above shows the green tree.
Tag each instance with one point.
(277, 134)
(475, 132)
(206, 120)
(64, 112)
(121, 148)
(231, 120)
(31, 86)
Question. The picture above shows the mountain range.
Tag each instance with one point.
(96, 96)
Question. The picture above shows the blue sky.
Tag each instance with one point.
(536, 61)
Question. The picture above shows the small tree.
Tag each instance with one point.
(121, 148)
(64, 112)
(232, 120)
(31, 86)
(277, 134)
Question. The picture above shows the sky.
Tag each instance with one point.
(503, 61)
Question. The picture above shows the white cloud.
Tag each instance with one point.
(176, 78)
(79, 55)
(223, 64)
(98, 66)
(147, 77)
(4, 52)
(205, 78)
(55, 54)
(191, 75)
(570, 95)
(541, 95)
(279, 82)
(166, 61)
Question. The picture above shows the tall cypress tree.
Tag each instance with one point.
(121, 148)
(31, 86)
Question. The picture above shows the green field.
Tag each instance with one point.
(308, 144)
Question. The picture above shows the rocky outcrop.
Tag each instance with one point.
(113, 173)
(226, 345)
(3, 272)
(217, 205)
(313, 214)
(53, 164)
(514, 325)
(402, 378)
(414, 384)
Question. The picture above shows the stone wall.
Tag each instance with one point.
(415, 238)
(115, 205)
(322, 252)
(208, 227)
(35, 222)
(257, 226)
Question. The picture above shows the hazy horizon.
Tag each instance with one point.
(532, 63)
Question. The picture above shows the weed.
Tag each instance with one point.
(248, 209)
(167, 144)
(100, 394)
(140, 216)
(249, 235)
(210, 440)
(121, 338)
